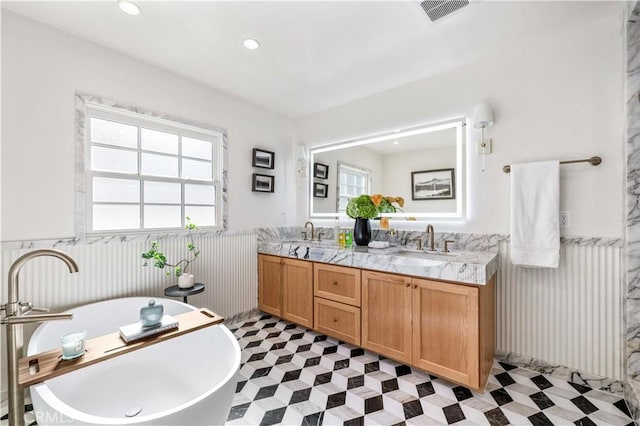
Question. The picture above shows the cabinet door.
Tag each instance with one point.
(298, 292)
(270, 284)
(339, 283)
(445, 330)
(386, 314)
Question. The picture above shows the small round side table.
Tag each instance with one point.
(175, 291)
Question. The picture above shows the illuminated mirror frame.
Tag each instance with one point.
(458, 124)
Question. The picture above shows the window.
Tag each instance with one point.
(352, 182)
(144, 173)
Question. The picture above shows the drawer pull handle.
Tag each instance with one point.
(415, 286)
(335, 283)
(408, 285)
(335, 320)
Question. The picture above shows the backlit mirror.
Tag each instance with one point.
(423, 165)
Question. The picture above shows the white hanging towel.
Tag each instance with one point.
(535, 210)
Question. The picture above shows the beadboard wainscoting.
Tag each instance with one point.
(227, 265)
(569, 316)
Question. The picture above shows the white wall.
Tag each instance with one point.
(558, 97)
(41, 70)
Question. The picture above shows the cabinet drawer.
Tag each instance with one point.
(338, 283)
(337, 320)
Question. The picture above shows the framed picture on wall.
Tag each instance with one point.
(320, 171)
(262, 183)
(320, 190)
(433, 185)
(263, 159)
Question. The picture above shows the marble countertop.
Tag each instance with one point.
(467, 267)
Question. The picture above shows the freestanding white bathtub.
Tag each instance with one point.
(187, 380)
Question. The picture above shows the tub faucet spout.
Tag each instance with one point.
(14, 310)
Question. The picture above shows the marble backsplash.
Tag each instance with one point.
(462, 241)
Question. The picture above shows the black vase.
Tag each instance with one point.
(362, 231)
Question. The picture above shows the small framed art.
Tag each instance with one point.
(320, 171)
(433, 185)
(262, 183)
(320, 190)
(263, 159)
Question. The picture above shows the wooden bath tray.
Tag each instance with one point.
(48, 365)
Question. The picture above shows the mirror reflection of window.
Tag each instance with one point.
(352, 182)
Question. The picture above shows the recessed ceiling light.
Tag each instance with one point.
(251, 43)
(128, 7)
(396, 142)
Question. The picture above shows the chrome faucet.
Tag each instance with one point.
(14, 310)
(312, 229)
(431, 232)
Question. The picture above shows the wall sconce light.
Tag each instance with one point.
(301, 161)
(483, 118)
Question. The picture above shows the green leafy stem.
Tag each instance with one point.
(159, 259)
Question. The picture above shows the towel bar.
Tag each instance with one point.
(594, 161)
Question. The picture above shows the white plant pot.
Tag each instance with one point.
(186, 280)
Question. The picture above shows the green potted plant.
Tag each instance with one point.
(366, 207)
(180, 268)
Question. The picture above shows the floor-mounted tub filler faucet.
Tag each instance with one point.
(14, 317)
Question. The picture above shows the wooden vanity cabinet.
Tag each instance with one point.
(445, 328)
(297, 305)
(386, 314)
(270, 284)
(336, 291)
(285, 288)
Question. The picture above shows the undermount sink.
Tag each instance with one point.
(323, 243)
(428, 252)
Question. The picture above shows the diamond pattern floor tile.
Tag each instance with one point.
(325, 381)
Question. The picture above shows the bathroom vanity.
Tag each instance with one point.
(433, 311)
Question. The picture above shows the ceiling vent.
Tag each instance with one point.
(437, 9)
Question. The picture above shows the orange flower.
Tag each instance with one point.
(376, 199)
(384, 223)
(400, 201)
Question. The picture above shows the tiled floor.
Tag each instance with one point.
(293, 376)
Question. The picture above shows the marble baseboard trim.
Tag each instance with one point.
(463, 241)
(565, 373)
(241, 317)
(631, 397)
(106, 239)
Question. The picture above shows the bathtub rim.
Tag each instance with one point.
(49, 397)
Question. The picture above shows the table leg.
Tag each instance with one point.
(184, 299)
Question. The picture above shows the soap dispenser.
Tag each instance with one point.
(151, 315)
